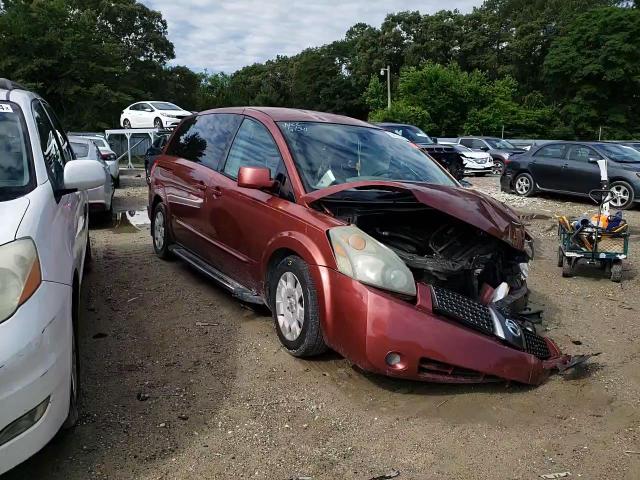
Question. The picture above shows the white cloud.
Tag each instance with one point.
(220, 35)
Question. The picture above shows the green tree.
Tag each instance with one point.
(593, 72)
(89, 59)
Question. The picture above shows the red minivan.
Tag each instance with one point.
(355, 240)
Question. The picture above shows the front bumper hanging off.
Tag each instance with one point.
(428, 341)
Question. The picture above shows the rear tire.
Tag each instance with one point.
(567, 268)
(560, 257)
(292, 297)
(160, 232)
(616, 272)
(524, 185)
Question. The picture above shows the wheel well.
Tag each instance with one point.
(156, 200)
(276, 257)
(75, 301)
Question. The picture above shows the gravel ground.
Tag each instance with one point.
(180, 381)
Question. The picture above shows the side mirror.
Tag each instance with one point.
(257, 178)
(484, 149)
(83, 175)
(593, 160)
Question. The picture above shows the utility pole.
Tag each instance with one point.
(387, 71)
(600, 133)
(503, 131)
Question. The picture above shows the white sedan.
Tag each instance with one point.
(152, 115)
(43, 240)
(476, 162)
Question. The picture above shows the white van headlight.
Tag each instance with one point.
(20, 275)
(363, 258)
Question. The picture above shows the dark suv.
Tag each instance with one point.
(446, 155)
(571, 168)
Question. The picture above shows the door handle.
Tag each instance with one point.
(216, 192)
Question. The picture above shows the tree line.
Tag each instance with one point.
(535, 68)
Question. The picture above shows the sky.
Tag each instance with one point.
(225, 35)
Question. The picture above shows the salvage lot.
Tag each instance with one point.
(181, 381)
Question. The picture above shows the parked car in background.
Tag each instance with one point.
(499, 149)
(100, 198)
(153, 151)
(571, 168)
(354, 242)
(152, 114)
(627, 143)
(476, 163)
(43, 245)
(446, 155)
(106, 154)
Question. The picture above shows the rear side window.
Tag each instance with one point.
(552, 151)
(81, 149)
(253, 147)
(581, 153)
(205, 139)
(14, 157)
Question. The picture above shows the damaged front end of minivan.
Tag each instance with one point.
(449, 303)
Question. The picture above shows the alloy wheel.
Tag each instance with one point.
(290, 306)
(621, 195)
(158, 230)
(523, 185)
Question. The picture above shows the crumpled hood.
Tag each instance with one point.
(11, 213)
(467, 205)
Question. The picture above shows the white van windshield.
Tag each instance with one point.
(15, 175)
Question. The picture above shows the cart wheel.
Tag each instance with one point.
(616, 272)
(560, 257)
(567, 268)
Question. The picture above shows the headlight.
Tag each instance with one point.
(19, 275)
(506, 155)
(365, 259)
(169, 115)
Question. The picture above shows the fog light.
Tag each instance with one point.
(393, 359)
(24, 423)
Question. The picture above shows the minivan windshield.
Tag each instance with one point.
(330, 154)
(15, 174)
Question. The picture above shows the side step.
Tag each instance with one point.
(238, 291)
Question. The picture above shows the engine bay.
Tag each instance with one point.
(443, 251)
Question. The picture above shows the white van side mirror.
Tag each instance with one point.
(83, 175)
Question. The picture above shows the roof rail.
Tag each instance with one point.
(7, 84)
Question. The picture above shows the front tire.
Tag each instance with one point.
(126, 123)
(524, 185)
(623, 195)
(294, 305)
(160, 231)
(157, 123)
(74, 395)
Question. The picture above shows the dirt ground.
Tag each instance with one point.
(165, 397)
